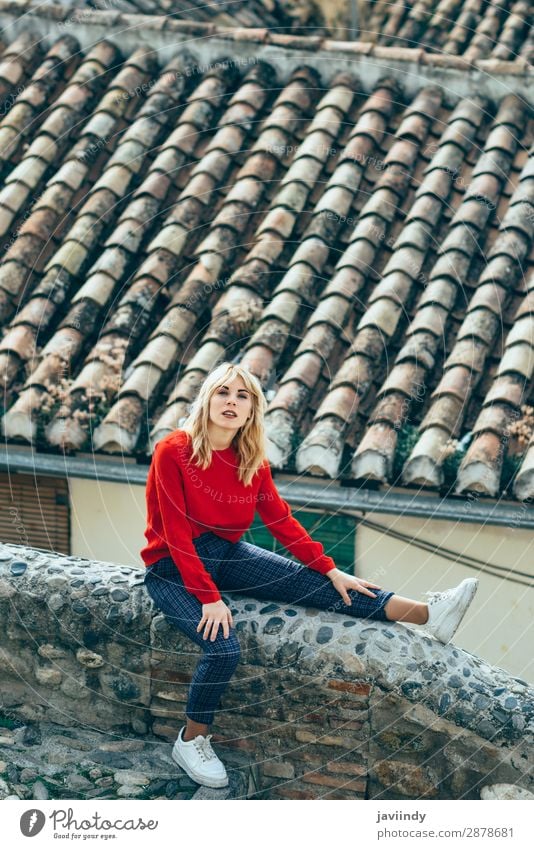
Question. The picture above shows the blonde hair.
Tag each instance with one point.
(249, 442)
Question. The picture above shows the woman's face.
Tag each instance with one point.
(230, 397)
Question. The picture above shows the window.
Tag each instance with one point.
(337, 534)
(34, 511)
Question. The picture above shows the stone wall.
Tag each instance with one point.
(321, 705)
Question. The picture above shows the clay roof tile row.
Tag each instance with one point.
(365, 253)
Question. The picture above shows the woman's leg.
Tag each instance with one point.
(254, 571)
(399, 609)
(220, 657)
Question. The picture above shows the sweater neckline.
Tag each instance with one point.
(215, 450)
(223, 450)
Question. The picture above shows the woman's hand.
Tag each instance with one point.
(343, 582)
(213, 615)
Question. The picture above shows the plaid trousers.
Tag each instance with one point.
(248, 569)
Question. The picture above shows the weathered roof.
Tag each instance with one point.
(368, 254)
(279, 15)
(474, 29)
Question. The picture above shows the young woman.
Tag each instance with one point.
(205, 482)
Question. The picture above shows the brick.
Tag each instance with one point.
(288, 793)
(240, 743)
(319, 704)
(356, 709)
(162, 729)
(245, 724)
(359, 688)
(346, 767)
(314, 755)
(338, 794)
(311, 764)
(324, 739)
(168, 676)
(313, 717)
(351, 725)
(306, 736)
(279, 769)
(166, 695)
(333, 781)
(169, 712)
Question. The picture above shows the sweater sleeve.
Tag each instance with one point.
(276, 515)
(170, 495)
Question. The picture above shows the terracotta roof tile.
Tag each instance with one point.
(518, 359)
(507, 389)
(218, 241)
(367, 250)
(294, 194)
(469, 27)
(481, 469)
(343, 401)
(441, 415)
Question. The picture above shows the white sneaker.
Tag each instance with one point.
(446, 610)
(199, 761)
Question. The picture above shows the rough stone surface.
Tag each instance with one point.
(321, 705)
(77, 774)
(505, 791)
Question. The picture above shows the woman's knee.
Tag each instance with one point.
(224, 651)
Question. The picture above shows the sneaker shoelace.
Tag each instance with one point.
(203, 747)
(433, 596)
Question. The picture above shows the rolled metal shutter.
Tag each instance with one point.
(35, 511)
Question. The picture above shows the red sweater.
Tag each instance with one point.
(184, 501)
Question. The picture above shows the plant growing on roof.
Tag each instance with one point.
(241, 320)
(454, 452)
(517, 436)
(296, 441)
(87, 404)
(56, 394)
(510, 467)
(93, 402)
(407, 437)
(519, 431)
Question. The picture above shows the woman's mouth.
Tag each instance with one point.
(229, 414)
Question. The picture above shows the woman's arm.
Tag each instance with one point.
(168, 498)
(276, 513)
(277, 516)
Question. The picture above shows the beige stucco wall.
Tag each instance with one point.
(499, 627)
(108, 522)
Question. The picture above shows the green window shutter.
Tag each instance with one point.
(337, 534)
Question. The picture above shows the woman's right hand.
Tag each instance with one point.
(213, 615)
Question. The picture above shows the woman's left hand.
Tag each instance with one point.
(343, 582)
